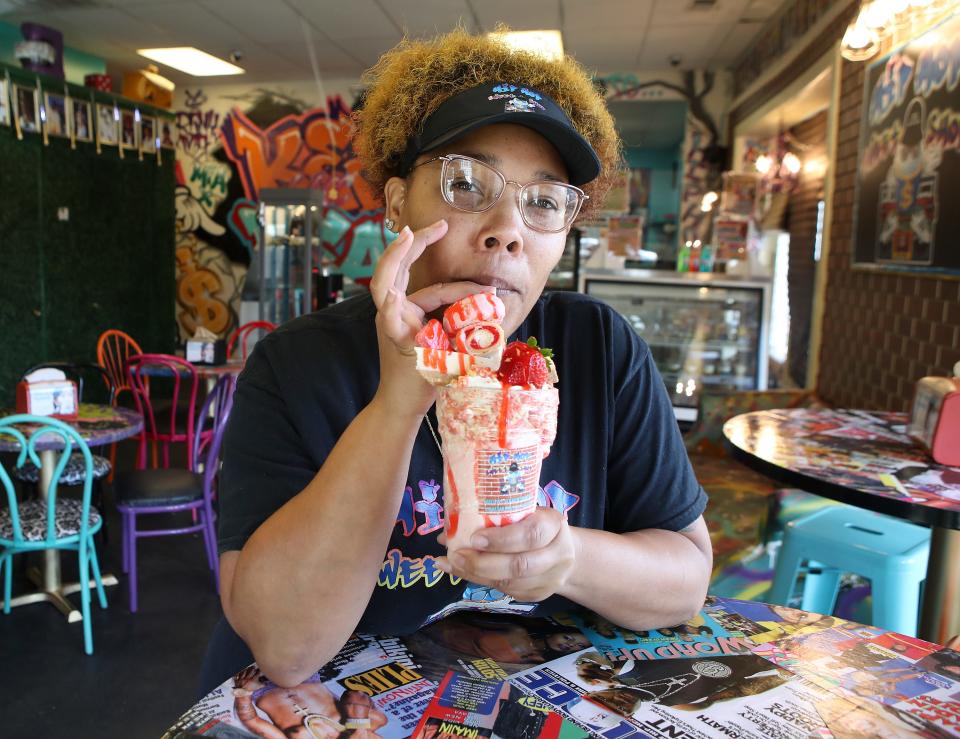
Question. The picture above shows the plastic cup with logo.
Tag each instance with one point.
(495, 437)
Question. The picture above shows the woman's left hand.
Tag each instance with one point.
(529, 560)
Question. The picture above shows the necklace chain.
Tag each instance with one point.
(433, 433)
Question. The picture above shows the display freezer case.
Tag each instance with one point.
(289, 252)
(706, 331)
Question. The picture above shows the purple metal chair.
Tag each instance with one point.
(172, 490)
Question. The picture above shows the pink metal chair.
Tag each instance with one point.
(243, 333)
(174, 490)
(170, 421)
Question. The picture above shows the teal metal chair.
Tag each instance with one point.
(891, 553)
(52, 522)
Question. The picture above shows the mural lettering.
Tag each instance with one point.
(308, 150)
(891, 88)
(196, 128)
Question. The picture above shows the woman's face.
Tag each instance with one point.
(491, 248)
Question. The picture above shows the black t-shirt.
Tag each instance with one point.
(618, 462)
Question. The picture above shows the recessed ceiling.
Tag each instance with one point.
(349, 35)
(651, 124)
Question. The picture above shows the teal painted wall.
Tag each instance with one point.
(664, 179)
(76, 64)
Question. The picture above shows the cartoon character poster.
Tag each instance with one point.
(910, 156)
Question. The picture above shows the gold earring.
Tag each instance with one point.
(390, 224)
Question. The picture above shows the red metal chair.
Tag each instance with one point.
(170, 421)
(242, 335)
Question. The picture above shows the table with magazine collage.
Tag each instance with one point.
(739, 669)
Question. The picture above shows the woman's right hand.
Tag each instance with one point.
(401, 316)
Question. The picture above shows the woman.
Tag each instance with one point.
(484, 157)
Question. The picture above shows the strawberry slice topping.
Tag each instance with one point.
(523, 364)
(432, 336)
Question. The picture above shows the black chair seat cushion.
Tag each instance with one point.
(72, 473)
(33, 519)
(157, 487)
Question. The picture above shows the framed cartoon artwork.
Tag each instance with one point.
(148, 134)
(4, 103)
(108, 127)
(82, 120)
(57, 110)
(27, 108)
(129, 137)
(908, 170)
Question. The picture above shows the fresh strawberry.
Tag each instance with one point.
(524, 364)
(432, 336)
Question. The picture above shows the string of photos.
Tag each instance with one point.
(52, 111)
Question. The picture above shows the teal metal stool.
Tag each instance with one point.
(891, 553)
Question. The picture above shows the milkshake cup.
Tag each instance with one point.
(495, 437)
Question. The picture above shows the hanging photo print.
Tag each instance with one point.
(82, 120)
(128, 129)
(148, 134)
(58, 118)
(28, 109)
(107, 125)
(167, 126)
(4, 103)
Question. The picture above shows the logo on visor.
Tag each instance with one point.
(518, 99)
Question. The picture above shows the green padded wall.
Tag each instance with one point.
(111, 265)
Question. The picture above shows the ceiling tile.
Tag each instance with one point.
(731, 48)
(267, 23)
(190, 24)
(342, 21)
(419, 18)
(604, 58)
(530, 15)
(330, 58)
(694, 45)
(606, 15)
(674, 12)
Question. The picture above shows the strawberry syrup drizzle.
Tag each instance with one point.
(453, 514)
(504, 414)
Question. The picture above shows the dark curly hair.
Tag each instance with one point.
(411, 81)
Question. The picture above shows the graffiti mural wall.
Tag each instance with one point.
(232, 142)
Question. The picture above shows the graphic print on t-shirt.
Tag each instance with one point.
(424, 517)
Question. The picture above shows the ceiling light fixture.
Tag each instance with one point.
(192, 61)
(547, 43)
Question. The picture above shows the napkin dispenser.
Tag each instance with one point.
(935, 418)
(205, 348)
(48, 392)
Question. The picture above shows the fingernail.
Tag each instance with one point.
(480, 542)
(437, 224)
(404, 232)
(442, 564)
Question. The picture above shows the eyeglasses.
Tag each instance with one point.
(474, 186)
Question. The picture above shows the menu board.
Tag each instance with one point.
(909, 166)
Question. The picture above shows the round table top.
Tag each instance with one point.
(859, 457)
(212, 371)
(740, 668)
(96, 424)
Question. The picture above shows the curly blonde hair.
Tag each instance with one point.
(415, 77)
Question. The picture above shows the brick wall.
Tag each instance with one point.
(809, 142)
(881, 331)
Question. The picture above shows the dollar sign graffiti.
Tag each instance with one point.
(195, 291)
